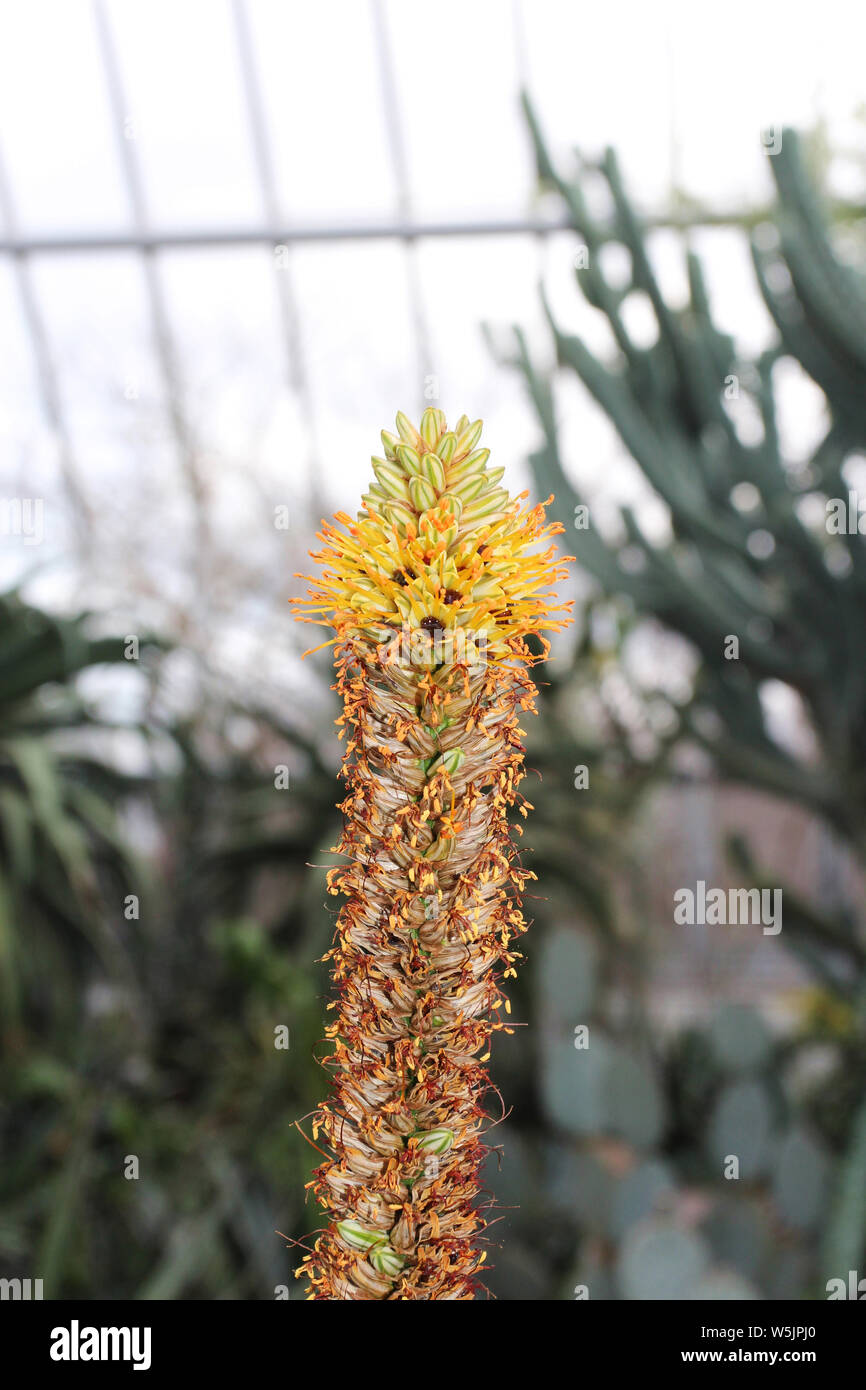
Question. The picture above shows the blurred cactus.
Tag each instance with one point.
(791, 592)
(748, 554)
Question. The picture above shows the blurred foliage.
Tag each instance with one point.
(644, 1122)
(141, 990)
(140, 1001)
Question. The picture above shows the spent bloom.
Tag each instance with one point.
(431, 592)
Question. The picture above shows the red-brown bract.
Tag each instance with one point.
(431, 593)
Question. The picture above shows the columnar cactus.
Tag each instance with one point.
(431, 592)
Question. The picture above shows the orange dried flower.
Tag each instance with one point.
(431, 593)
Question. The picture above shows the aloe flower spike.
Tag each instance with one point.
(431, 592)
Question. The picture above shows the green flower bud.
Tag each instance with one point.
(400, 514)
(407, 430)
(392, 478)
(359, 1237)
(386, 1261)
(429, 428)
(449, 762)
(375, 495)
(446, 446)
(422, 493)
(471, 488)
(410, 458)
(436, 1141)
(433, 470)
(469, 438)
(494, 501)
(467, 467)
(390, 443)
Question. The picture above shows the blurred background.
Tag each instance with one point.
(235, 239)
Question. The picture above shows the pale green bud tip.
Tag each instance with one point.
(449, 762)
(430, 428)
(409, 457)
(407, 430)
(470, 489)
(446, 446)
(386, 1261)
(469, 437)
(391, 478)
(422, 493)
(391, 443)
(453, 760)
(436, 1141)
(359, 1237)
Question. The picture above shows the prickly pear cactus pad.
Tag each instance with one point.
(431, 591)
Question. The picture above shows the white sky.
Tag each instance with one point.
(682, 90)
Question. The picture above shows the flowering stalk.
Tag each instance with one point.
(431, 592)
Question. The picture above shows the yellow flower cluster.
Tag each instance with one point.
(439, 547)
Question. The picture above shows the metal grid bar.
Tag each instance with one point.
(400, 165)
(276, 235)
(12, 244)
(263, 156)
(48, 383)
(163, 338)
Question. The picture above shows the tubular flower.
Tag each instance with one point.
(432, 591)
